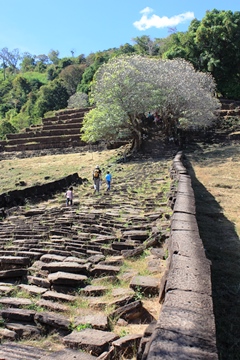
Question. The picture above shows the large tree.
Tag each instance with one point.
(212, 45)
(127, 87)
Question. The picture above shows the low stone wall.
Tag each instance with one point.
(186, 326)
(44, 191)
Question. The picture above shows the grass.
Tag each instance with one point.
(34, 170)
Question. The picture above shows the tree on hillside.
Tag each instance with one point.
(53, 96)
(127, 87)
(10, 58)
(212, 45)
(71, 77)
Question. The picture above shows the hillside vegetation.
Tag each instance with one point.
(33, 85)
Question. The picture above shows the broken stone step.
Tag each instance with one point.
(129, 312)
(94, 290)
(97, 321)
(15, 302)
(55, 296)
(13, 274)
(48, 258)
(141, 235)
(68, 279)
(60, 252)
(32, 289)
(24, 331)
(145, 284)
(6, 290)
(79, 260)
(34, 280)
(10, 351)
(90, 340)
(31, 254)
(95, 257)
(22, 315)
(126, 346)
(124, 245)
(12, 261)
(52, 321)
(52, 306)
(68, 354)
(7, 334)
(104, 270)
(68, 267)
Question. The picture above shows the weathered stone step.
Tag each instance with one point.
(68, 267)
(94, 290)
(104, 270)
(146, 284)
(15, 302)
(90, 340)
(10, 351)
(67, 354)
(24, 331)
(68, 279)
(10, 262)
(32, 289)
(52, 321)
(22, 315)
(55, 296)
(13, 274)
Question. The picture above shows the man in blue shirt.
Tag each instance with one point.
(108, 178)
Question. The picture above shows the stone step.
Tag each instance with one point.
(90, 340)
(10, 351)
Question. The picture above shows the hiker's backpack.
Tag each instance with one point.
(96, 173)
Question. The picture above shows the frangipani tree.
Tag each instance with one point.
(127, 87)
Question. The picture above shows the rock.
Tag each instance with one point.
(69, 279)
(129, 312)
(52, 321)
(146, 284)
(18, 315)
(97, 321)
(90, 340)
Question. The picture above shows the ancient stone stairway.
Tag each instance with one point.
(60, 131)
(62, 269)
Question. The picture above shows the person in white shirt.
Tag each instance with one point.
(69, 196)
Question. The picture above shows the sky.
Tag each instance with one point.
(87, 26)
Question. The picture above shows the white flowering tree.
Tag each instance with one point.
(127, 87)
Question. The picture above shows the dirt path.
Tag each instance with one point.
(215, 172)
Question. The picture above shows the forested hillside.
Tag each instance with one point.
(34, 85)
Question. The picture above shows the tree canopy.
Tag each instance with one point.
(210, 45)
(127, 87)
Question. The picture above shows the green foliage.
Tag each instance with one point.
(78, 101)
(81, 327)
(71, 77)
(53, 96)
(127, 87)
(6, 128)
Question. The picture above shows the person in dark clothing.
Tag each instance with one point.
(97, 178)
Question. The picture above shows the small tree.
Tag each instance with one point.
(127, 87)
(78, 101)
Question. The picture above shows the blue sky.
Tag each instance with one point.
(85, 26)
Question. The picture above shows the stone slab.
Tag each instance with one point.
(90, 340)
(189, 274)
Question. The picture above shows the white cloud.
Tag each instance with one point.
(160, 22)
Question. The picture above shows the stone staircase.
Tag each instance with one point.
(61, 131)
(63, 269)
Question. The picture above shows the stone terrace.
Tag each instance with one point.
(60, 131)
(62, 268)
